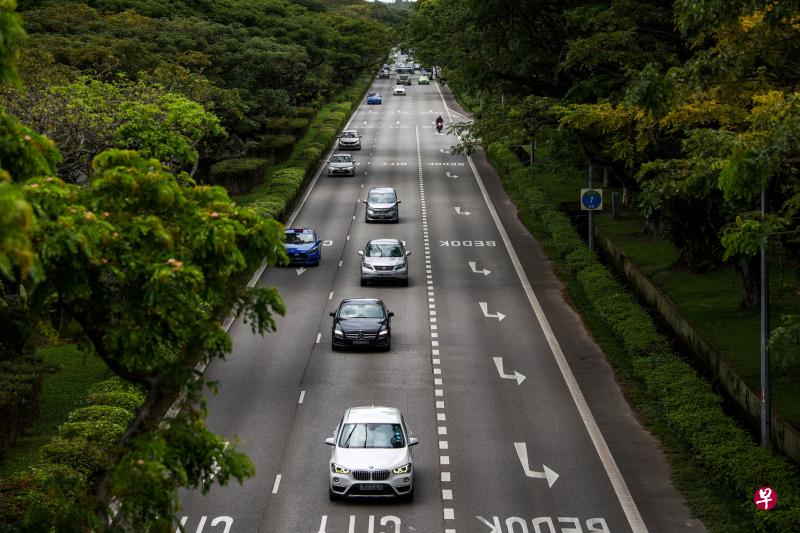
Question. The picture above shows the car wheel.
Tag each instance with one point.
(332, 496)
(388, 347)
(408, 497)
(334, 348)
(404, 283)
(363, 282)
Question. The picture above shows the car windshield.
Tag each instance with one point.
(340, 159)
(361, 311)
(382, 198)
(299, 238)
(371, 436)
(384, 250)
(349, 134)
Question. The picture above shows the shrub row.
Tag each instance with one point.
(70, 459)
(282, 185)
(687, 402)
(20, 398)
(239, 175)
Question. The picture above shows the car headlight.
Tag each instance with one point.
(384, 330)
(405, 469)
(336, 469)
(338, 331)
(368, 266)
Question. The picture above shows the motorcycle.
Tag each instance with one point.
(439, 126)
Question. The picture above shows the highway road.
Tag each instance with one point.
(512, 438)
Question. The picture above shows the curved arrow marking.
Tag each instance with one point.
(522, 453)
(498, 362)
(300, 271)
(474, 267)
(460, 212)
(485, 308)
(450, 175)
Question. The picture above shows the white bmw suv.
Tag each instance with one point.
(371, 455)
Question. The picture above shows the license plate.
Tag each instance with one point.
(371, 486)
(361, 341)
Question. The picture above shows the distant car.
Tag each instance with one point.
(371, 454)
(424, 80)
(382, 204)
(384, 74)
(384, 260)
(341, 165)
(361, 323)
(303, 246)
(417, 66)
(374, 99)
(399, 90)
(350, 140)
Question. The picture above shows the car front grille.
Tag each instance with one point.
(384, 268)
(360, 336)
(370, 475)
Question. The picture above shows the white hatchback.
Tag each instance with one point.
(371, 455)
(399, 89)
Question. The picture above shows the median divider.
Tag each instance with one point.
(687, 402)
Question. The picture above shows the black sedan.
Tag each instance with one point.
(361, 323)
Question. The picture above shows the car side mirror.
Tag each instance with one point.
(363, 201)
(408, 252)
(399, 201)
(332, 314)
(413, 441)
(361, 253)
(329, 441)
(390, 314)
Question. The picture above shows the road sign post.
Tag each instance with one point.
(591, 200)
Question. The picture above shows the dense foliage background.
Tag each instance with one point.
(690, 107)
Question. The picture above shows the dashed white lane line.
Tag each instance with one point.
(302, 397)
(330, 296)
(277, 484)
(319, 337)
(340, 264)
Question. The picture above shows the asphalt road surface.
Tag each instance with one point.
(521, 425)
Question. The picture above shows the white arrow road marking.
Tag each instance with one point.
(460, 212)
(474, 266)
(484, 307)
(327, 243)
(444, 150)
(450, 175)
(300, 271)
(498, 362)
(522, 452)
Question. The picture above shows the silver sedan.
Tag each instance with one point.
(371, 455)
(384, 260)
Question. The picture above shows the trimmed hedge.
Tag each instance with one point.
(70, 459)
(687, 401)
(239, 175)
(20, 399)
(273, 198)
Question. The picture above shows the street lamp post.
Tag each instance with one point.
(766, 414)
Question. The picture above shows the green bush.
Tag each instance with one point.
(240, 175)
(130, 401)
(292, 125)
(76, 453)
(304, 111)
(20, 399)
(92, 413)
(272, 145)
(102, 433)
(687, 402)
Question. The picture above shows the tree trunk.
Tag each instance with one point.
(749, 269)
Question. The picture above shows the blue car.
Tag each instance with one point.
(302, 246)
(374, 98)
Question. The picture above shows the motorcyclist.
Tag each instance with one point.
(439, 122)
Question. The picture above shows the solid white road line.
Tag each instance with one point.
(612, 470)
